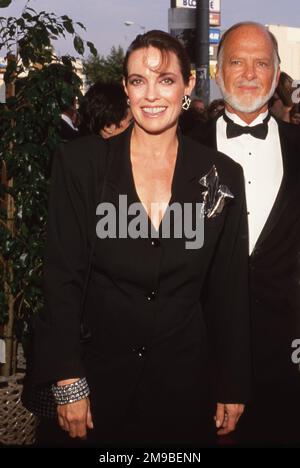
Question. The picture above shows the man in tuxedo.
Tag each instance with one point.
(67, 129)
(66, 88)
(269, 152)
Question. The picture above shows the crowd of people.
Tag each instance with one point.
(104, 110)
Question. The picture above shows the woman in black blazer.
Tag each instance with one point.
(168, 316)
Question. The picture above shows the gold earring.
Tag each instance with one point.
(186, 102)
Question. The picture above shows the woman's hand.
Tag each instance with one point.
(76, 417)
(227, 416)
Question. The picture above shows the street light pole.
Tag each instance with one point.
(132, 23)
(202, 50)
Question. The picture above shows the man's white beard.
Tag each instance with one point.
(256, 104)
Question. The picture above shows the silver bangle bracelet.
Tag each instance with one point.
(70, 393)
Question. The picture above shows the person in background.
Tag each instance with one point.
(280, 104)
(295, 114)
(198, 106)
(66, 99)
(295, 111)
(195, 113)
(68, 130)
(268, 150)
(104, 110)
(215, 108)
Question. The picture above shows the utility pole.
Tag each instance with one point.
(202, 50)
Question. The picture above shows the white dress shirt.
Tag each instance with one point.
(261, 161)
(67, 119)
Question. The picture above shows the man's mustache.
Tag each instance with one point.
(249, 84)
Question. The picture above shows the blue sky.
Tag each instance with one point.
(104, 19)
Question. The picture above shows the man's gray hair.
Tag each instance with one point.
(248, 23)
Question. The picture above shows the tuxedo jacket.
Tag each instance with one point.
(274, 268)
(157, 312)
(66, 132)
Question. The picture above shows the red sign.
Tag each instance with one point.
(214, 19)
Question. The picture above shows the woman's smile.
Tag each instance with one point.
(153, 112)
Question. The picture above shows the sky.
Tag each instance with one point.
(104, 19)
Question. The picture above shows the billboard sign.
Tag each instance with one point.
(214, 35)
(186, 3)
(214, 19)
(213, 48)
(214, 5)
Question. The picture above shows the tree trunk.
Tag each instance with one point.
(9, 337)
(10, 341)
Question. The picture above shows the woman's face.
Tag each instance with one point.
(155, 89)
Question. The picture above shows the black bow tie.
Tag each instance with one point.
(258, 131)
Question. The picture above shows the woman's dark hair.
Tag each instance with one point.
(165, 43)
(103, 104)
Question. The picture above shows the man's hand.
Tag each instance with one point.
(227, 416)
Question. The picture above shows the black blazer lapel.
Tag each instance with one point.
(193, 162)
(288, 185)
(184, 186)
(188, 170)
(211, 134)
(119, 180)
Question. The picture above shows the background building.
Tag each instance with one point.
(289, 48)
(2, 85)
(78, 66)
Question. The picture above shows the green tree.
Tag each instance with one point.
(102, 68)
(4, 3)
(29, 125)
